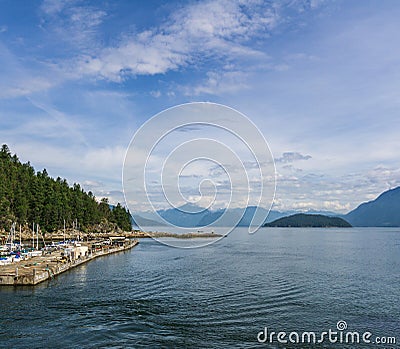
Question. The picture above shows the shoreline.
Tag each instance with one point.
(39, 269)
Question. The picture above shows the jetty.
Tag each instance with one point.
(191, 235)
(51, 263)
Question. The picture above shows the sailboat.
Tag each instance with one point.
(35, 252)
(11, 251)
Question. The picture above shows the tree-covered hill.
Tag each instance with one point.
(26, 197)
(309, 220)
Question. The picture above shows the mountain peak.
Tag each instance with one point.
(190, 208)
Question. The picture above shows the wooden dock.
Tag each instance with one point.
(38, 269)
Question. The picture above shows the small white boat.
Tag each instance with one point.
(36, 253)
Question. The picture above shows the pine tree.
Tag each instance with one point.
(26, 197)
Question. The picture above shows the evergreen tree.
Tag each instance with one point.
(27, 197)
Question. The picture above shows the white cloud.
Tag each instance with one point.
(52, 7)
(25, 87)
(340, 193)
(225, 20)
(107, 160)
(219, 82)
(18, 80)
(99, 189)
(99, 170)
(289, 157)
(55, 124)
(191, 35)
(155, 94)
(92, 184)
(73, 23)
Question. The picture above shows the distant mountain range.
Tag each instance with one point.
(381, 212)
(190, 215)
(144, 222)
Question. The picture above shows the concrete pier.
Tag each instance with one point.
(38, 269)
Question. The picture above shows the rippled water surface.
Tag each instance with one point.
(218, 296)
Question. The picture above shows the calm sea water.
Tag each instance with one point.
(218, 296)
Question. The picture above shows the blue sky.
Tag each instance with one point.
(321, 80)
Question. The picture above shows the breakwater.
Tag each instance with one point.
(193, 235)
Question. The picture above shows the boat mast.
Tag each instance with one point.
(44, 242)
(11, 236)
(33, 235)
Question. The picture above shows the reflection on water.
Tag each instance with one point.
(81, 273)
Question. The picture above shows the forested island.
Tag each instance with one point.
(27, 197)
(302, 220)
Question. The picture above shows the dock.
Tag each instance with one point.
(35, 270)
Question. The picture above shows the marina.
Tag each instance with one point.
(27, 257)
(45, 264)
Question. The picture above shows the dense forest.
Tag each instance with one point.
(26, 197)
(302, 220)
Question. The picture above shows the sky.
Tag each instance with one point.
(320, 80)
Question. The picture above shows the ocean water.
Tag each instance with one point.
(218, 296)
